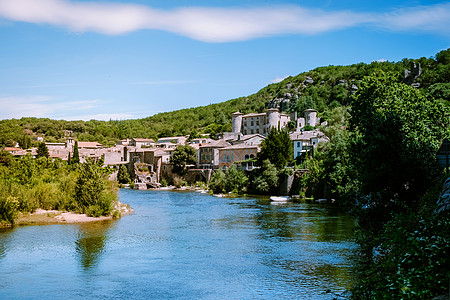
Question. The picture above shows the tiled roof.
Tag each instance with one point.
(216, 144)
(144, 140)
(254, 115)
(240, 146)
(89, 145)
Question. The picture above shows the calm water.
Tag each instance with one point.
(184, 246)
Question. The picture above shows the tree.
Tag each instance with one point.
(5, 158)
(123, 176)
(277, 148)
(25, 142)
(396, 132)
(76, 156)
(193, 135)
(91, 194)
(267, 180)
(233, 180)
(236, 180)
(42, 150)
(182, 156)
(217, 182)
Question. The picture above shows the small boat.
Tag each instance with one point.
(321, 201)
(279, 198)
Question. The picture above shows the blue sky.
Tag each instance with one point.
(124, 59)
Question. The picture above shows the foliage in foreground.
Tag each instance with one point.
(27, 184)
(409, 258)
(404, 245)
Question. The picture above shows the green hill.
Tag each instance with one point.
(322, 88)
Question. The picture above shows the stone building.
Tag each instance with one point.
(260, 123)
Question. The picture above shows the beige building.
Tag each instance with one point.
(209, 154)
(141, 143)
(178, 140)
(241, 155)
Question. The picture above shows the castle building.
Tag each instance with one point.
(260, 123)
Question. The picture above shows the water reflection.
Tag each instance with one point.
(4, 240)
(309, 244)
(90, 243)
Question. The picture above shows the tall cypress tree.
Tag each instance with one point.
(42, 150)
(76, 155)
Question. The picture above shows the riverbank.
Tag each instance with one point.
(50, 217)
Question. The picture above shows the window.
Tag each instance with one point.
(298, 144)
(252, 123)
(298, 153)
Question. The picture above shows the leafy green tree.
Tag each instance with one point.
(267, 180)
(25, 142)
(193, 135)
(277, 148)
(42, 150)
(8, 209)
(123, 176)
(5, 158)
(76, 156)
(312, 179)
(396, 134)
(339, 173)
(182, 156)
(91, 194)
(217, 182)
(235, 180)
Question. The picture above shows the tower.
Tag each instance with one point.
(311, 117)
(236, 122)
(273, 117)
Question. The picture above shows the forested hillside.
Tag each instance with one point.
(323, 88)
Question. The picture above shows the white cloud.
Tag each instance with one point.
(381, 60)
(217, 24)
(40, 106)
(435, 18)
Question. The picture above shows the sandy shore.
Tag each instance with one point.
(47, 217)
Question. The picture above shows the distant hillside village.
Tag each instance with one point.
(149, 161)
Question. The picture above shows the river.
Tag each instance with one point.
(184, 245)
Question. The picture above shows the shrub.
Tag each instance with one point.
(8, 209)
(92, 195)
(236, 180)
(178, 181)
(217, 183)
